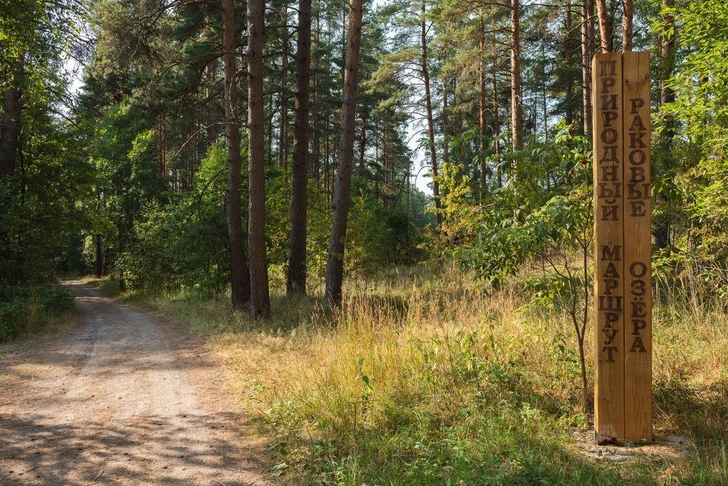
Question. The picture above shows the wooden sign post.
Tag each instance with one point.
(622, 282)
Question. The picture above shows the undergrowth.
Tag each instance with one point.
(27, 309)
(423, 379)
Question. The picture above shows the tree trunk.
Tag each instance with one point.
(516, 106)
(544, 102)
(283, 129)
(342, 196)
(587, 51)
(569, 48)
(363, 144)
(239, 277)
(98, 258)
(209, 104)
(445, 123)
(316, 166)
(121, 248)
(667, 95)
(10, 128)
(482, 103)
(430, 119)
(105, 264)
(259, 293)
(496, 123)
(627, 25)
(296, 276)
(605, 29)
(316, 169)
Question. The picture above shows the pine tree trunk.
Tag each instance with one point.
(667, 95)
(627, 25)
(430, 119)
(482, 103)
(209, 104)
(569, 59)
(296, 276)
(10, 128)
(587, 51)
(496, 123)
(283, 128)
(239, 277)
(259, 293)
(516, 106)
(98, 258)
(445, 123)
(342, 196)
(363, 143)
(605, 29)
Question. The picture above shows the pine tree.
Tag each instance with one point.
(342, 197)
(259, 292)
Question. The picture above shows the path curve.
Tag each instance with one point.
(123, 398)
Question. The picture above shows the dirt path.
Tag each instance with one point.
(122, 398)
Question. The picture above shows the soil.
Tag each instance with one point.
(667, 447)
(123, 397)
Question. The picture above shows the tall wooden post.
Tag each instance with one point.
(609, 250)
(623, 378)
(637, 249)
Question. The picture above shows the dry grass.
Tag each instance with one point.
(423, 379)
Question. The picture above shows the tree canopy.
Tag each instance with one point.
(123, 172)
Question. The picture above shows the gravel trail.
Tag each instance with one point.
(124, 398)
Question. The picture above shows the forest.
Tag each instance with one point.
(382, 212)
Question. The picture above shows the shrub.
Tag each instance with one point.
(26, 308)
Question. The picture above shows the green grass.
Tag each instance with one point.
(421, 379)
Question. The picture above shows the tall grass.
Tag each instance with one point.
(28, 309)
(420, 378)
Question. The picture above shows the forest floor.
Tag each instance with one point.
(123, 397)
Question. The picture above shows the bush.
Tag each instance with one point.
(26, 308)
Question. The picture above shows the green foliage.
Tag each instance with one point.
(183, 245)
(39, 199)
(377, 237)
(318, 231)
(178, 247)
(541, 220)
(544, 211)
(691, 178)
(701, 81)
(40, 210)
(25, 308)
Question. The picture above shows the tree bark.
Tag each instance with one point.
(363, 143)
(342, 190)
(587, 51)
(296, 276)
(482, 103)
(259, 292)
(516, 106)
(430, 119)
(667, 95)
(209, 104)
(283, 128)
(569, 48)
(667, 54)
(316, 169)
(98, 258)
(605, 29)
(445, 123)
(10, 128)
(239, 276)
(496, 122)
(627, 18)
